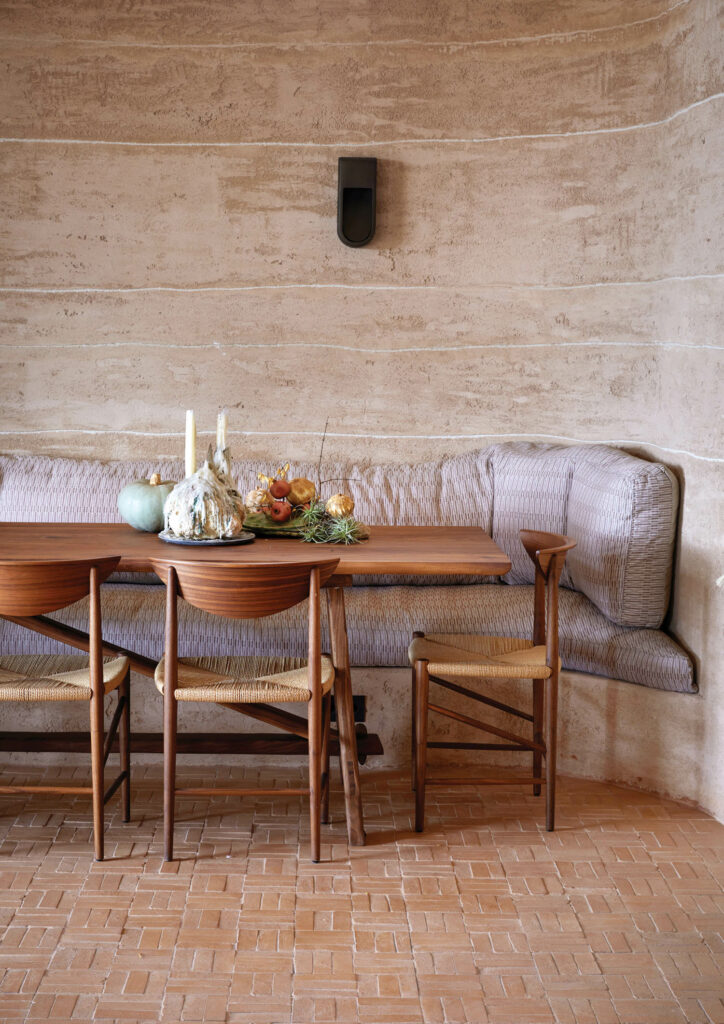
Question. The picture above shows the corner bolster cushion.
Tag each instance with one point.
(622, 511)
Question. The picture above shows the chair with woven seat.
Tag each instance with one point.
(449, 660)
(245, 684)
(32, 588)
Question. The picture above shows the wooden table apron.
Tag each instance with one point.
(394, 550)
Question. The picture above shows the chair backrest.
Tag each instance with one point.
(243, 591)
(36, 587)
(548, 553)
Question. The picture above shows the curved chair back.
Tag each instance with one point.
(34, 588)
(548, 553)
(243, 591)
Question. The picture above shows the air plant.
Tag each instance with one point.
(319, 527)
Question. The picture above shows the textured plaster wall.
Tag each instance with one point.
(548, 261)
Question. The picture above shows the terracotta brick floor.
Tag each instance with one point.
(617, 916)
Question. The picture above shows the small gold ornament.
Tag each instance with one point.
(280, 473)
(257, 499)
(339, 506)
(302, 491)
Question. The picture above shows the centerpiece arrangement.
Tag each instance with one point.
(294, 508)
(206, 508)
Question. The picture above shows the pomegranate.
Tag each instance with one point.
(280, 511)
(280, 488)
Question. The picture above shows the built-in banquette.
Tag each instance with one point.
(615, 589)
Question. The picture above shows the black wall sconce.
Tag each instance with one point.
(356, 199)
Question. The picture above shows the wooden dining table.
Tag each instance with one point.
(390, 550)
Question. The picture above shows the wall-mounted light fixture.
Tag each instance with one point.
(356, 199)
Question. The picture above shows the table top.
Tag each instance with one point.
(415, 550)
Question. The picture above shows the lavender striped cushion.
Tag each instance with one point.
(620, 509)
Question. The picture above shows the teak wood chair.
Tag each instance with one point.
(30, 588)
(246, 684)
(446, 659)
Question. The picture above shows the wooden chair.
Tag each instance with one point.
(247, 684)
(29, 588)
(446, 659)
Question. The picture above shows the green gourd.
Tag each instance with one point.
(141, 503)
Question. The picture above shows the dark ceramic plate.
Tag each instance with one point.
(245, 537)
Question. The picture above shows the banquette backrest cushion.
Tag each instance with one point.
(621, 509)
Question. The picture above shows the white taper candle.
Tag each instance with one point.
(221, 424)
(190, 442)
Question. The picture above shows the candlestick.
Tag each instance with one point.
(221, 424)
(190, 443)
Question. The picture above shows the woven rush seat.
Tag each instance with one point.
(54, 677)
(480, 657)
(244, 680)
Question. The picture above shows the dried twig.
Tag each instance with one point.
(319, 464)
(333, 479)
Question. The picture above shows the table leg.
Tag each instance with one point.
(345, 716)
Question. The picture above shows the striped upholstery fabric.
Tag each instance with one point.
(532, 483)
(621, 510)
(380, 622)
(86, 491)
(455, 491)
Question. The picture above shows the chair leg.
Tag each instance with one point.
(315, 773)
(538, 693)
(413, 733)
(97, 740)
(124, 693)
(326, 725)
(551, 750)
(413, 716)
(422, 689)
(170, 717)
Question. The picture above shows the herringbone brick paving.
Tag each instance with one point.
(618, 916)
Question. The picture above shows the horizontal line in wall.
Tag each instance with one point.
(335, 44)
(365, 436)
(312, 286)
(221, 346)
(371, 143)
